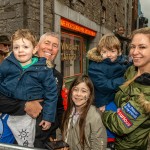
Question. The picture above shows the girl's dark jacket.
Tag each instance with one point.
(106, 76)
(35, 82)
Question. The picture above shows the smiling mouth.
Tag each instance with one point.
(136, 58)
(22, 55)
(48, 53)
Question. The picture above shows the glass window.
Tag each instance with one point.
(71, 54)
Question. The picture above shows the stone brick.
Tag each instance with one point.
(14, 2)
(7, 15)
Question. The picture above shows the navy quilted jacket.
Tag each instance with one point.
(33, 83)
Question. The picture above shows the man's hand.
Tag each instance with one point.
(45, 125)
(33, 108)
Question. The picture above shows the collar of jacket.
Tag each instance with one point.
(144, 79)
(48, 62)
(41, 61)
(94, 55)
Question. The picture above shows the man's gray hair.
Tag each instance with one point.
(53, 34)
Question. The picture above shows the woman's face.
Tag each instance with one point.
(140, 51)
(80, 94)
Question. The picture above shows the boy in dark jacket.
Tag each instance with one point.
(106, 69)
(28, 78)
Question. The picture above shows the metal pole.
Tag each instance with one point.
(41, 17)
(16, 147)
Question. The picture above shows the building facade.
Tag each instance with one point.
(80, 24)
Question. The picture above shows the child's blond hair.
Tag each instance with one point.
(24, 33)
(109, 41)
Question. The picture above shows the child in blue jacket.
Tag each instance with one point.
(26, 77)
(106, 70)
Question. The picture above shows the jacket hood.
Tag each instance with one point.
(94, 55)
(144, 79)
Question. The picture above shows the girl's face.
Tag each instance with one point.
(80, 94)
(140, 51)
(111, 54)
(23, 51)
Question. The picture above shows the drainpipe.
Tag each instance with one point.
(41, 17)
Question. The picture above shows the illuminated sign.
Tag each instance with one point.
(73, 26)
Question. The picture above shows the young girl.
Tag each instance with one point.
(28, 78)
(106, 69)
(82, 125)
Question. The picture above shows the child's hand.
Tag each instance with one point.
(102, 109)
(45, 125)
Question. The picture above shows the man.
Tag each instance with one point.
(123, 40)
(47, 47)
(4, 47)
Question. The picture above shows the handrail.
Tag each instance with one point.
(16, 147)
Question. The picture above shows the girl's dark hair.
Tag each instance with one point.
(82, 120)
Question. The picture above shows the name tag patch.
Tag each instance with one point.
(124, 118)
(131, 110)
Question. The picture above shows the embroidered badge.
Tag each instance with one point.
(124, 118)
(131, 110)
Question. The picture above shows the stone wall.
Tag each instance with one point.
(16, 14)
(118, 12)
(11, 16)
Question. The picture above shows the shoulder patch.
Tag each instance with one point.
(131, 110)
(124, 118)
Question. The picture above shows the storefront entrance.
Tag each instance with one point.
(73, 55)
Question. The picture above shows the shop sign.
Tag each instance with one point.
(73, 26)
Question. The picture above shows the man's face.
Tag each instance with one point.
(4, 47)
(121, 30)
(48, 48)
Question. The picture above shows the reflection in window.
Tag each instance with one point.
(71, 54)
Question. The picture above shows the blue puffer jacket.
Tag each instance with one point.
(106, 76)
(33, 83)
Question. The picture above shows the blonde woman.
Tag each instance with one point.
(131, 122)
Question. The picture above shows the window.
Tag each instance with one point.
(71, 54)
